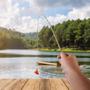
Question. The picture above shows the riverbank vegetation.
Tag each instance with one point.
(73, 35)
(70, 34)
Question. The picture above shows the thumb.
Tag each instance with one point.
(62, 58)
(63, 55)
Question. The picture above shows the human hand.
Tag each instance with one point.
(69, 64)
(72, 72)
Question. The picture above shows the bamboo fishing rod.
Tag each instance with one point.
(53, 33)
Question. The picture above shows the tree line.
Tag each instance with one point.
(70, 34)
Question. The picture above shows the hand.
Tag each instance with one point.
(72, 72)
(69, 64)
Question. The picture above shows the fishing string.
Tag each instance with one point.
(37, 33)
(53, 33)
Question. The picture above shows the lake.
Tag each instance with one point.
(24, 67)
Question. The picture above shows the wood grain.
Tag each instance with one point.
(34, 84)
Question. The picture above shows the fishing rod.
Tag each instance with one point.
(54, 36)
(37, 33)
(53, 33)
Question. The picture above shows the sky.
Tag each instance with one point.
(27, 15)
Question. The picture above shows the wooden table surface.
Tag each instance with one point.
(34, 84)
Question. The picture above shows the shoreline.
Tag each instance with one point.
(64, 50)
(53, 50)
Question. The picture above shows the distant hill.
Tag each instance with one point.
(11, 39)
(32, 35)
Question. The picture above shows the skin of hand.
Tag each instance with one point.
(69, 63)
(72, 72)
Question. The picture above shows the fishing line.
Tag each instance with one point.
(53, 33)
(37, 33)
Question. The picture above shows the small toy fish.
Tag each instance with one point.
(36, 72)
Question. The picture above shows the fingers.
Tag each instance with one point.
(63, 58)
(62, 55)
(69, 63)
(66, 59)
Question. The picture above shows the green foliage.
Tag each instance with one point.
(70, 34)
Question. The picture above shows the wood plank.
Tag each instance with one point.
(45, 84)
(4, 83)
(8, 87)
(16, 85)
(58, 84)
(34, 84)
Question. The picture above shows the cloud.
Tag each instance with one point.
(54, 19)
(17, 13)
(80, 13)
(41, 5)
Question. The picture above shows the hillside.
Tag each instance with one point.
(10, 39)
(73, 34)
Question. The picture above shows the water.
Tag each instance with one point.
(24, 67)
(35, 52)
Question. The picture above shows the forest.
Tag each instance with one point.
(70, 34)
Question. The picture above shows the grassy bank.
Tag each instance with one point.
(63, 49)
